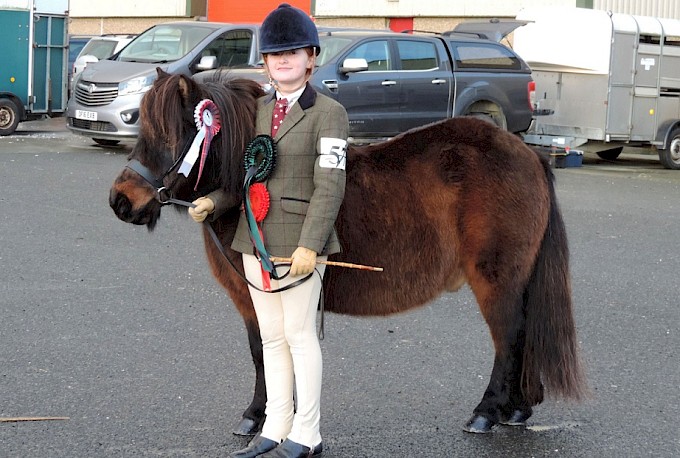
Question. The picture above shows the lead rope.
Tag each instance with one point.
(321, 306)
(321, 329)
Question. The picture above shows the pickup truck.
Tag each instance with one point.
(391, 82)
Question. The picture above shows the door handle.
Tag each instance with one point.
(389, 83)
(331, 84)
(439, 81)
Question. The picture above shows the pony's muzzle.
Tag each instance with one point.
(125, 210)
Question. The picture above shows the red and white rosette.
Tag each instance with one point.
(207, 118)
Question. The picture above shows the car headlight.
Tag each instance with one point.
(136, 85)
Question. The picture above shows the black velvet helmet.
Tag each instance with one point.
(287, 28)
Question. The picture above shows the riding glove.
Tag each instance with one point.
(303, 261)
(204, 207)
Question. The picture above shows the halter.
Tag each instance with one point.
(157, 182)
(164, 197)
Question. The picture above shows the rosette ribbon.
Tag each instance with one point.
(259, 162)
(207, 118)
(258, 197)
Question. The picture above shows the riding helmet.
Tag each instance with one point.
(287, 28)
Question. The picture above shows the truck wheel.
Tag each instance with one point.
(670, 157)
(9, 117)
(496, 119)
(105, 141)
(610, 154)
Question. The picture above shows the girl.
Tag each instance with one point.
(306, 189)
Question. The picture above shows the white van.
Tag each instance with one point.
(98, 48)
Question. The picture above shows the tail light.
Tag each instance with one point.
(531, 94)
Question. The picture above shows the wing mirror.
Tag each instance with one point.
(353, 65)
(207, 63)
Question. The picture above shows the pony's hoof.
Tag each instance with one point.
(247, 427)
(516, 418)
(479, 425)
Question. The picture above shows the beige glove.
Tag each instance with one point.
(204, 207)
(303, 261)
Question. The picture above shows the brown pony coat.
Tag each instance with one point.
(452, 202)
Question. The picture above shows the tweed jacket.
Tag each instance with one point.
(307, 185)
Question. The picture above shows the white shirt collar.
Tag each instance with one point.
(292, 98)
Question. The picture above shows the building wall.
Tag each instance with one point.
(96, 17)
(133, 16)
(253, 11)
(443, 15)
(658, 8)
(130, 8)
(429, 8)
(109, 25)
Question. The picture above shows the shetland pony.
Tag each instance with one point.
(454, 202)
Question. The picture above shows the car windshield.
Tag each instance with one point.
(75, 45)
(101, 49)
(331, 47)
(164, 43)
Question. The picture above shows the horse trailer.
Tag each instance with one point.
(603, 80)
(34, 69)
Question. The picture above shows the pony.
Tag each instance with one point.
(454, 202)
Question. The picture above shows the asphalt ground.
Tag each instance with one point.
(126, 335)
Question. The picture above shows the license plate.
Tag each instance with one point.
(87, 115)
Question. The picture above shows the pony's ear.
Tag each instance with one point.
(161, 74)
(185, 87)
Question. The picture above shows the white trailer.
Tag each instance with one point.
(603, 80)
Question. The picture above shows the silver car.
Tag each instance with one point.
(106, 95)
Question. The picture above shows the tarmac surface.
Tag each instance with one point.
(125, 335)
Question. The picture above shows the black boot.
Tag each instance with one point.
(290, 449)
(256, 447)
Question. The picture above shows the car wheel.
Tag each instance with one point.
(105, 141)
(670, 157)
(489, 112)
(610, 154)
(9, 117)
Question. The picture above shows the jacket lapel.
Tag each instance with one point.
(292, 118)
(297, 111)
(264, 116)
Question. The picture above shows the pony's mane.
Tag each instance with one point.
(167, 112)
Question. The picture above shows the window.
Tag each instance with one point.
(331, 47)
(101, 49)
(164, 43)
(376, 53)
(484, 56)
(232, 49)
(671, 41)
(417, 55)
(650, 39)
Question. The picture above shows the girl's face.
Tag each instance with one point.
(289, 69)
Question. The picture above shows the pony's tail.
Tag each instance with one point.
(551, 353)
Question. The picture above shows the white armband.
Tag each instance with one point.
(333, 153)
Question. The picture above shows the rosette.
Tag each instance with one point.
(207, 119)
(259, 201)
(261, 154)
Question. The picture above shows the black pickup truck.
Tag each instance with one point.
(391, 82)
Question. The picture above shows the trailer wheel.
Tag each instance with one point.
(670, 157)
(9, 117)
(106, 141)
(610, 154)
